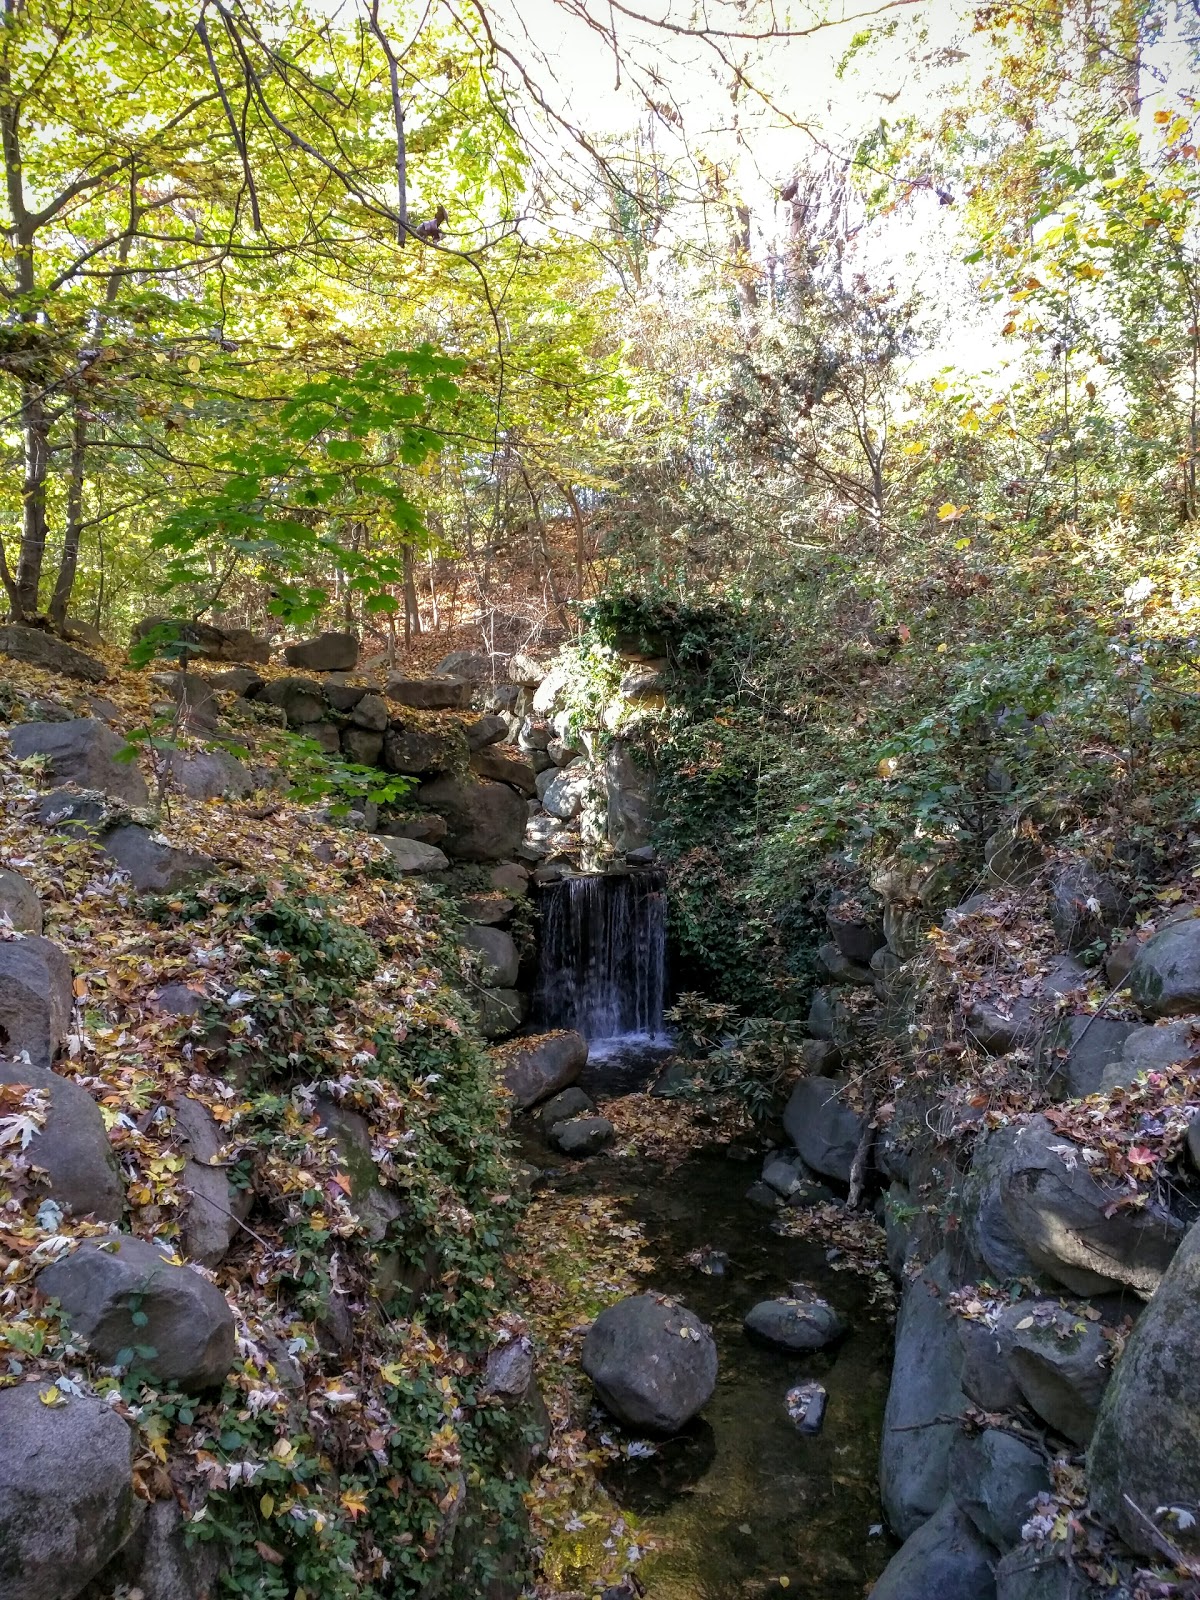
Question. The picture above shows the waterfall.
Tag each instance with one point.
(602, 955)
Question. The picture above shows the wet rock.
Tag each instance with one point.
(430, 694)
(568, 1103)
(994, 1477)
(945, 1558)
(582, 1136)
(20, 908)
(496, 955)
(654, 1363)
(1059, 1360)
(72, 1146)
(1083, 904)
(83, 752)
(153, 865)
(35, 997)
(1165, 980)
(182, 1317)
(414, 858)
(1147, 1440)
(504, 765)
(500, 1011)
(486, 821)
(925, 1386)
(328, 652)
(41, 649)
(215, 1207)
(302, 700)
(537, 1067)
(795, 1324)
(208, 774)
(67, 1501)
(823, 1127)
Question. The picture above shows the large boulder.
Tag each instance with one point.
(994, 1476)
(1078, 1051)
(856, 929)
(1060, 1362)
(430, 694)
(418, 748)
(486, 820)
(505, 765)
(208, 774)
(194, 695)
(499, 1011)
(496, 954)
(414, 858)
(1049, 1571)
(67, 1501)
(824, 1129)
(582, 1136)
(1146, 1444)
(183, 1318)
(630, 792)
(925, 1388)
(1165, 978)
(71, 1147)
(206, 641)
(470, 665)
(654, 1363)
(1065, 1218)
(302, 700)
(1083, 904)
(944, 1559)
(485, 730)
(153, 865)
(328, 652)
(20, 908)
(362, 746)
(564, 797)
(799, 1323)
(537, 1067)
(41, 649)
(160, 1561)
(35, 997)
(84, 752)
(1152, 1050)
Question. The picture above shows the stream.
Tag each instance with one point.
(741, 1500)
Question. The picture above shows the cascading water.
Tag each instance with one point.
(602, 967)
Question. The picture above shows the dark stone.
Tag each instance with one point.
(1153, 1050)
(208, 642)
(346, 696)
(413, 857)
(500, 1011)
(856, 934)
(371, 713)
(35, 997)
(208, 774)
(161, 1562)
(1165, 979)
(496, 954)
(152, 865)
(242, 681)
(1080, 1050)
(796, 1324)
(301, 700)
(822, 1126)
(188, 1323)
(537, 1067)
(1059, 1359)
(1083, 904)
(82, 752)
(362, 747)
(986, 1376)
(1048, 1571)
(510, 1368)
(72, 1146)
(72, 813)
(505, 766)
(67, 1501)
(944, 1559)
(430, 694)
(44, 650)
(195, 696)
(487, 909)
(838, 968)
(325, 734)
(486, 821)
(328, 652)
(418, 749)
(582, 1136)
(426, 829)
(994, 1476)
(20, 907)
(568, 1103)
(215, 1207)
(654, 1363)
(485, 730)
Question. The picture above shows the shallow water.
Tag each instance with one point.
(743, 1500)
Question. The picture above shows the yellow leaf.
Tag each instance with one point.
(940, 384)
(52, 1397)
(193, 363)
(915, 448)
(785, 1583)
(887, 766)
(1162, 117)
(1025, 1322)
(949, 512)
(284, 1450)
(267, 1504)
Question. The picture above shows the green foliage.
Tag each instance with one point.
(741, 1063)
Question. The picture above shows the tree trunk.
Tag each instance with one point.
(35, 428)
(412, 609)
(65, 582)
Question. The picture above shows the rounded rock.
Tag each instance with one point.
(653, 1362)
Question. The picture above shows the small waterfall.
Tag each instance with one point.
(602, 957)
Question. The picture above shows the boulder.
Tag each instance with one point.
(1079, 1051)
(500, 1011)
(630, 792)
(425, 828)
(487, 909)
(986, 1376)
(370, 712)
(538, 1067)
(485, 730)
(915, 1451)
(1064, 1220)
(160, 1561)
(41, 649)
(82, 752)
(840, 969)
(81, 632)
(328, 652)
(1060, 1362)
(525, 670)
(470, 665)
(496, 955)
(414, 858)
(1152, 1050)
(1146, 1442)
(486, 821)
(343, 696)
(582, 1136)
(565, 796)
(796, 1324)
(121, 1293)
(242, 681)
(823, 1127)
(505, 765)
(420, 748)
(854, 931)
(944, 1559)
(1083, 904)
(1001, 1025)
(301, 700)
(430, 694)
(67, 1501)
(72, 1146)
(20, 908)
(1165, 979)
(153, 865)
(325, 735)
(215, 1207)
(208, 774)
(1048, 1571)
(195, 697)
(565, 1105)
(206, 641)
(35, 997)
(995, 1476)
(362, 747)
(80, 815)
(654, 1363)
